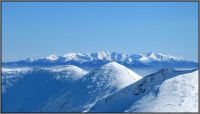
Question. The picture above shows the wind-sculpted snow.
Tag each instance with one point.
(178, 94)
(92, 87)
(165, 91)
(25, 91)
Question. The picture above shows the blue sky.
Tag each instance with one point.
(35, 29)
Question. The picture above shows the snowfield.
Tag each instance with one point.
(101, 82)
(178, 94)
(24, 92)
(12, 75)
(165, 91)
(92, 87)
(70, 70)
(15, 70)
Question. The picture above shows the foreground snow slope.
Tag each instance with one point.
(25, 91)
(165, 91)
(178, 94)
(92, 87)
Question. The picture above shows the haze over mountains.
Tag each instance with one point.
(100, 82)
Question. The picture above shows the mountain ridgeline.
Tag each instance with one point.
(94, 60)
(100, 82)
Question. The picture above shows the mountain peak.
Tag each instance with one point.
(95, 85)
(52, 57)
(70, 56)
(112, 56)
(102, 57)
(117, 74)
(113, 64)
(160, 57)
(69, 68)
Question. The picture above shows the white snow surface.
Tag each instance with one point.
(52, 57)
(109, 88)
(164, 91)
(11, 75)
(70, 56)
(178, 94)
(16, 70)
(24, 92)
(120, 76)
(69, 70)
(147, 57)
(110, 56)
(91, 88)
(63, 68)
(62, 72)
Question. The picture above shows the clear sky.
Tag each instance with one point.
(36, 29)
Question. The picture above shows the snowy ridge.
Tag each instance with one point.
(65, 72)
(92, 87)
(70, 70)
(16, 70)
(52, 57)
(11, 75)
(155, 93)
(63, 68)
(178, 94)
(98, 59)
(143, 57)
(24, 92)
(158, 57)
(112, 87)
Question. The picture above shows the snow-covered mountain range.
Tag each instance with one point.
(100, 82)
(98, 59)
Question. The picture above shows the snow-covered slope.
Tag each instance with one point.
(178, 94)
(15, 70)
(165, 91)
(70, 70)
(92, 87)
(100, 58)
(12, 75)
(25, 91)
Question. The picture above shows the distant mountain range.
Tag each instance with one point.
(97, 59)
